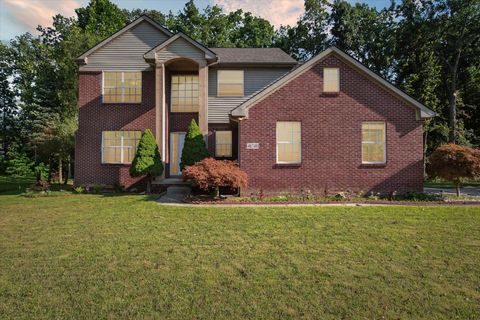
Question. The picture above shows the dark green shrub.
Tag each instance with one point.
(147, 161)
(194, 147)
(417, 196)
(41, 171)
(19, 165)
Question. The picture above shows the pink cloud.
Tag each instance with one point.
(32, 13)
(278, 12)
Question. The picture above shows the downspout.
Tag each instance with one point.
(164, 135)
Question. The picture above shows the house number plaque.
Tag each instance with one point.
(253, 145)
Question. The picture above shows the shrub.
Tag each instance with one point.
(453, 162)
(79, 190)
(97, 187)
(417, 196)
(19, 165)
(147, 161)
(211, 174)
(41, 185)
(41, 171)
(194, 147)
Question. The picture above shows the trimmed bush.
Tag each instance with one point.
(453, 162)
(147, 161)
(211, 174)
(194, 147)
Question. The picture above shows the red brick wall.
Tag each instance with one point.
(331, 137)
(95, 117)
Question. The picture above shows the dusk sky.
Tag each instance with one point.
(20, 16)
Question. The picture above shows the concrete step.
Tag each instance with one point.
(170, 181)
(179, 190)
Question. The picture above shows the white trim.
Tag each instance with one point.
(123, 88)
(288, 142)
(164, 138)
(384, 142)
(242, 110)
(243, 82)
(151, 54)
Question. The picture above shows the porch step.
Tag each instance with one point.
(170, 181)
(178, 190)
(175, 194)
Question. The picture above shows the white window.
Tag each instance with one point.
(230, 83)
(373, 142)
(184, 97)
(331, 80)
(223, 143)
(122, 87)
(289, 142)
(119, 146)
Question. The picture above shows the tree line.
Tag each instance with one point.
(430, 49)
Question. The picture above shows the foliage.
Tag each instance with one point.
(97, 188)
(40, 185)
(453, 162)
(417, 196)
(147, 161)
(41, 171)
(19, 165)
(194, 147)
(79, 190)
(211, 174)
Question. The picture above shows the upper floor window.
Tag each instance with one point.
(289, 142)
(373, 142)
(119, 146)
(223, 143)
(331, 80)
(122, 87)
(230, 83)
(184, 97)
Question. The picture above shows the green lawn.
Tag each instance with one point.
(87, 256)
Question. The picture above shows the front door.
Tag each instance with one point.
(176, 147)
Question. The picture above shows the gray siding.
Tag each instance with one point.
(255, 79)
(126, 51)
(180, 48)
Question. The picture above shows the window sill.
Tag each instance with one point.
(287, 165)
(117, 164)
(331, 94)
(373, 165)
(121, 104)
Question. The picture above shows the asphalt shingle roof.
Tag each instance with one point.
(253, 55)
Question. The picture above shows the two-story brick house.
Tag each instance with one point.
(328, 123)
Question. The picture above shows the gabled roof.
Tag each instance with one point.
(253, 56)
(83, 56)
(208, 53)
(242, 110)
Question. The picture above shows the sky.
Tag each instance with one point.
(20, 16)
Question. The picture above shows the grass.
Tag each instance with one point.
(94, 256)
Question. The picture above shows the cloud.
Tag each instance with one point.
(278, 12)
(32, 13)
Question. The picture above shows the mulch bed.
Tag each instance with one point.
(210, 201)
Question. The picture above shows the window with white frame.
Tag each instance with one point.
(119, 146)
(223, 143)
(122, 87)
(289, 141)
(230, 83)
(184, 97)
(373, 142)
(331, 80)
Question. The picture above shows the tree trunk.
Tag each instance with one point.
(67, 176)
(50, 165)
(217, 192)
(149, 184)
(452, 100)
(457, 187)
(60, 169)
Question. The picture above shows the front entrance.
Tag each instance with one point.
(176, 146)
